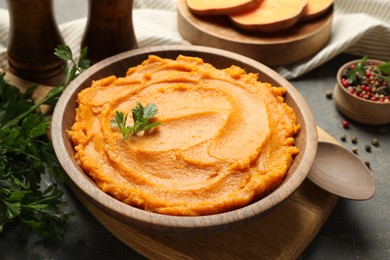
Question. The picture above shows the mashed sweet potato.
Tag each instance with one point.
(226, 139)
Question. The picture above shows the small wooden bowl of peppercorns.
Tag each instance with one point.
(362, 91)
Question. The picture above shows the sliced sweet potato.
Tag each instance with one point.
(220, 7)
(316, 8)
(271, 15)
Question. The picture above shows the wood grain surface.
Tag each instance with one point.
(283, 233)
(295, 44)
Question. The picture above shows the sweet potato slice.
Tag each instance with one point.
(271, 15)
(220, 7)
(316, 8)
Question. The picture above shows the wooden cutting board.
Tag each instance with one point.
(295, 44)
(283, 233)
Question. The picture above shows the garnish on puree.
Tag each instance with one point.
(225, 139)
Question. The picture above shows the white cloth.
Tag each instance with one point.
(360, 27)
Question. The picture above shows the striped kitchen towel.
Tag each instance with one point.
(360, 27)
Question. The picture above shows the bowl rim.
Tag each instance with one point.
(358, 99)
(178, 224)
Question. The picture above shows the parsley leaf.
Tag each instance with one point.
(360, 69)
(385, 69)
(141, 117)
(65, 53)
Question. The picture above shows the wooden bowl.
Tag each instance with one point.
(87, 190)
(358, 109)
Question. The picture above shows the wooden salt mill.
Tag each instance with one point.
(109, 28)
(32, 38)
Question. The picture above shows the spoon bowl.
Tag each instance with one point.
(341, 172)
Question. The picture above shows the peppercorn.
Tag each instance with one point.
(355, 150)
(367, 164)
(354, 139)
(345, 124)
(368, 148)
(375, 142)
(343, 137)
(329, 95)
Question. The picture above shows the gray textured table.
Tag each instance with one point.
(355, 230)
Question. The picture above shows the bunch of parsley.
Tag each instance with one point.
(26, 155)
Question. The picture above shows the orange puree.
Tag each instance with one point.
(226, 139)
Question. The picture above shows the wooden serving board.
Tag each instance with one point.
(283, 233)
(292, 45)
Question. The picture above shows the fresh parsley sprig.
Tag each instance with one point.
(385, 69)
(359, 69)
(141, 117)
(65, 53)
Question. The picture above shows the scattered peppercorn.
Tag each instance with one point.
(329, 95)
(354, 139)
(375, 142)
(345, 124)
(343, 137)
(355, 150)
(367, 164)
(368, 148)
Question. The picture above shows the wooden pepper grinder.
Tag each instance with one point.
(109, 28)
(32, 38)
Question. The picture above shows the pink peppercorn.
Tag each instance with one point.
(344, 82)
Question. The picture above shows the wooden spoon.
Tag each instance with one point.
(341, 172)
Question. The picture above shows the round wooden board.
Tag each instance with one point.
(283, 233)
(283, 48)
